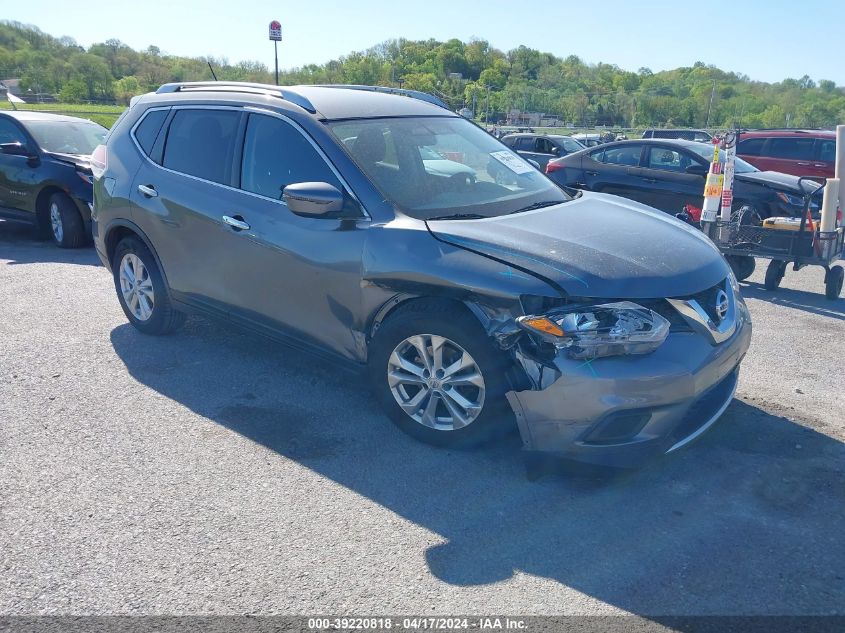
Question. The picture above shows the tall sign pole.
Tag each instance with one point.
(276, 37)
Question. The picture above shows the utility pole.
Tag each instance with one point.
(710, 107)
(487, 113)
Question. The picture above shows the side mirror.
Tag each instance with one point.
(696, 170)
(556, 150)
(16, 149)
(313, 199)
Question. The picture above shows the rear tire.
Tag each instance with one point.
(430, 397)
(774, 274)
(141, 289)
(833, 282)
(64, 222)
(742, 265)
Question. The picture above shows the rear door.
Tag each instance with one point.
(668, 185)
(181, 195)
(790, 154)
(616, 169)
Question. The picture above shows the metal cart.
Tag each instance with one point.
(740, 243)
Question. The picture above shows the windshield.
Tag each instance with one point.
(740, 166)
(438, 166)
(67, 137)
(571, 145)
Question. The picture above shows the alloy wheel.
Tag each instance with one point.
(56, 222)
(436, 382)
(136, 287)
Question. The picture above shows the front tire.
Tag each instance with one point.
(742, 265)
(141, 289)
(438, 376)
(64, 222)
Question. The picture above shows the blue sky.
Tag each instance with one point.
(768, 41)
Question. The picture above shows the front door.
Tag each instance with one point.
(18, 175)
(298, 274)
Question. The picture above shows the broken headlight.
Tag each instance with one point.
(610, 329)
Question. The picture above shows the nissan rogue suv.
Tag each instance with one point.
(608, 331)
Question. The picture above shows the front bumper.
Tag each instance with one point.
(622, 411)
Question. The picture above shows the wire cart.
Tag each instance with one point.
(804, 246)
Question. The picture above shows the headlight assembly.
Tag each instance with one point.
(788, 198)
(610, 329)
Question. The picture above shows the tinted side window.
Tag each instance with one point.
(525, 143)
(543, 146)
(147, 132)
(792, 148)
(826, 150)
(201, 143)
(667, 159)
(628, 155)
(751, 146)
(9, 132)
(276, 155)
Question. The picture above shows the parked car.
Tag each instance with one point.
(45, 173)
(702, 136)
(670, 174)
(613, 331)
(589, 140)
(541, 148)
(796, 152)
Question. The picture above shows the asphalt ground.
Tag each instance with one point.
(214, 472)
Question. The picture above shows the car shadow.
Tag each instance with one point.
(19, 244)
(749, 520)
(813, 302)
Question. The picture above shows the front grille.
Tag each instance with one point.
(677, 323)
(707, 300)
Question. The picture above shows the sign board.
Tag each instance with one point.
(276, 31)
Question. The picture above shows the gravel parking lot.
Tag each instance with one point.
(216, 472)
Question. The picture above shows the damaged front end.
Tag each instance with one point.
(615, 383)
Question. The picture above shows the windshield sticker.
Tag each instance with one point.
(512, 161)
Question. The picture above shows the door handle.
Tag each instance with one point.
(592, 173)
(819, 165)
(647, 179)
(148, 190)
(236, 222)
(804, 164)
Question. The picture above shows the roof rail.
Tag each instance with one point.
(414, 94)
(239, 86)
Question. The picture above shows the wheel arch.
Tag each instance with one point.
(42, 204)
(120, 229)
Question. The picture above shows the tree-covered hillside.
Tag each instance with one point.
(470, 73)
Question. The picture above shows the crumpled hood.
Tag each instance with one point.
(81, 161)
(597, 245)
(774, 179)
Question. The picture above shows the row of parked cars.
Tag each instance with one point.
(384, 232)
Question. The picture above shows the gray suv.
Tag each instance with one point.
(385, 232)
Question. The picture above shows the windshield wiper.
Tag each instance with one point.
(538, 205)
(457, 216)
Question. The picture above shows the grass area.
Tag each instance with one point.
(105, 115)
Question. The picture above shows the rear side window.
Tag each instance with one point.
(276, 155)
(628, 155)
(525, 143)
(792, 148)
(751, 147)
(826, 150)
(147, 131)
(201, 143)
